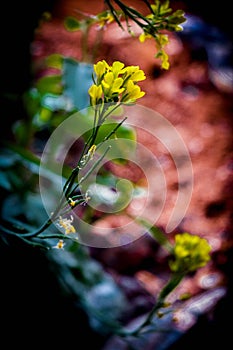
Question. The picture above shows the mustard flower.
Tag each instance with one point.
(190, 253)
(60, 244)
(116, 83)
(134, 73)
(112, 85)
(66, 224)
(72, 202)
(100, 68)
(117, 68)
(95, 92)
(164, 59)
(143, 36)
(132, 93)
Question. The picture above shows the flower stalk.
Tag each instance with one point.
(113, 86)
(189, 253)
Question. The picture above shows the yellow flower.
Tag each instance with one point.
(133, 73)
(95, 92)
(165, 63)
(72, 202)
(164, 58)
(132, 93)
(162, 39)
(117, 68)
(100, 68)
(138, 75)
(190, 253)
(112, 85)
(116, 83)
(60, 244)
(144, 36)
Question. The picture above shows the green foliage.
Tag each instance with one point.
(72, 24)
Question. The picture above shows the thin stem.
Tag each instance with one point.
(134, 14)
(129, 12)
(37, 232)
(148, 5)
(114, 13)
(91, 169)
(87, 144)
(97, 44)
(69, 208)
(84, 44)
(114, 130)
(156, 233)
(104, 117)
(167, 289)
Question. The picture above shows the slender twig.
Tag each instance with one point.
(90, 170)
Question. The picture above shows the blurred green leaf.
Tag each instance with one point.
(45, 114)
(72, 24)
(20, 130)
(55, 61)
(50, 83)
(32, 100)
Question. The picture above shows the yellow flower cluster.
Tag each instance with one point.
(160, 18)
(190, 253)
(161, 40)
(116, 83)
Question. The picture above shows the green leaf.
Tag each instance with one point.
(72, 24)
(50, 83)
(24, 153)
(32, 100)
(20, 130)
(55, 61)
(45, 114)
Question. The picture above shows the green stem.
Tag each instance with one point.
(114, 13)
(130, 12)
(114, 130)
(90, 170)
(90, 138)
(84, 44)
(37, 232)
(148, 5)
(97, 45)
(167, 289)
(156, 233)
